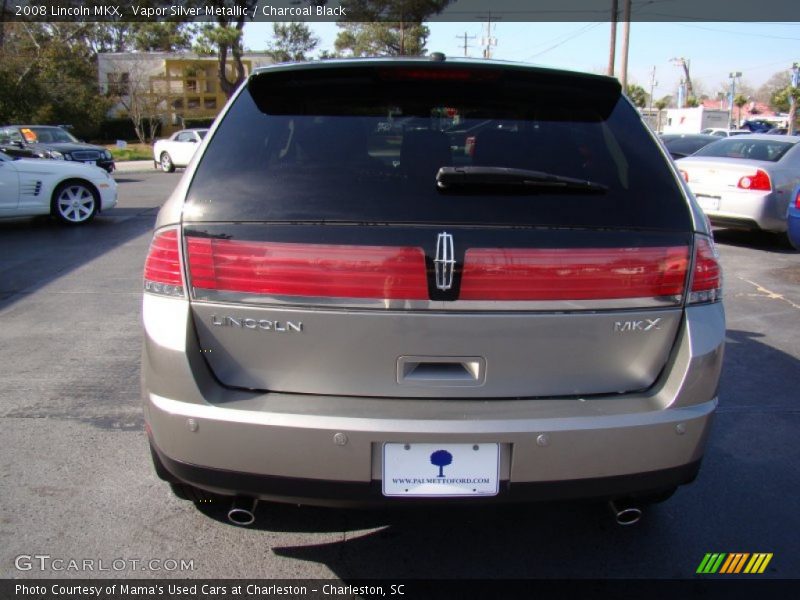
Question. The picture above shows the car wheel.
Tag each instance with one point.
(75, 203)
(166, 163)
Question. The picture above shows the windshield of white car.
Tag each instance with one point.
(766, 150)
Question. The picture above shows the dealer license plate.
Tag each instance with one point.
(440, 469)
(710, 203)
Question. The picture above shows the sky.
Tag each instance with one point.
(757, 50)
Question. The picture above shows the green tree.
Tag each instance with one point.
(168, 36)
(637, 95)
(48, 74)
(781, 100)
(775, 84)
(739, 101)
(386, 27)
(291, 41)
(225, 40)
(692, 102)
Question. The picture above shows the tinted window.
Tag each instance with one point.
(356, 145)
(47, 135)
(744, 148)
(686, 146)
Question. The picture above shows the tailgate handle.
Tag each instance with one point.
(443, 371)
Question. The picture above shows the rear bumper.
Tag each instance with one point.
(746, 209)
(328, 449)
(368, 493)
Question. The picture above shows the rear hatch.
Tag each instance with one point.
(339, 240)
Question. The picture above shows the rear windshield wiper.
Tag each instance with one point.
(459, 179)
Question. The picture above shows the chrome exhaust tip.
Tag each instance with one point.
(625, 513)
(243, 511)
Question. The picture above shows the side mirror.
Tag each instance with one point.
(18, 144)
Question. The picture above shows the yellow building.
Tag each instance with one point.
(176, 87)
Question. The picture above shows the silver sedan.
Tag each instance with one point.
(745, 181)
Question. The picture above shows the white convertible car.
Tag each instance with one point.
(72, 192)
(178, 150)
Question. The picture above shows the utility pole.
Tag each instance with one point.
(732, 76)
(488, 41)
(626, 36)
(684, 63)
(653, 84)
(612, 51)
(466, 45)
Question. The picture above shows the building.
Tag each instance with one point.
(175, 86)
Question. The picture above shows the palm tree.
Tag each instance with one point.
(739, 101)
(637, 95)
(661, 105)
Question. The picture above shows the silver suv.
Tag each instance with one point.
(394, 281)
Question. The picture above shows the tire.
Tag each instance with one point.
(75, 202)
(166, 163)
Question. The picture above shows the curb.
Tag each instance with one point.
(133, 166)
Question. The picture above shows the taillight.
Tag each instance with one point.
(685, 175)
(797, 199)
(759, 181)
(574, 274)
(707, 276)
(311, 270)
(162, 269)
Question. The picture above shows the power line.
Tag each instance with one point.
(581, 31)
(761, 35)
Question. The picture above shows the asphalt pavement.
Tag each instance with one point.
(77, 482)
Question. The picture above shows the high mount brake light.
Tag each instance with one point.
(439, 74)
(309, 270)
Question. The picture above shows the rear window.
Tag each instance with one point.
(364, 145)
(744, 148)
(686, 146)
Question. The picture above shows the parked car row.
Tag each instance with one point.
(747, 181)
(48, 141)
(69, 191)
(178, 149)
(722, 132)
